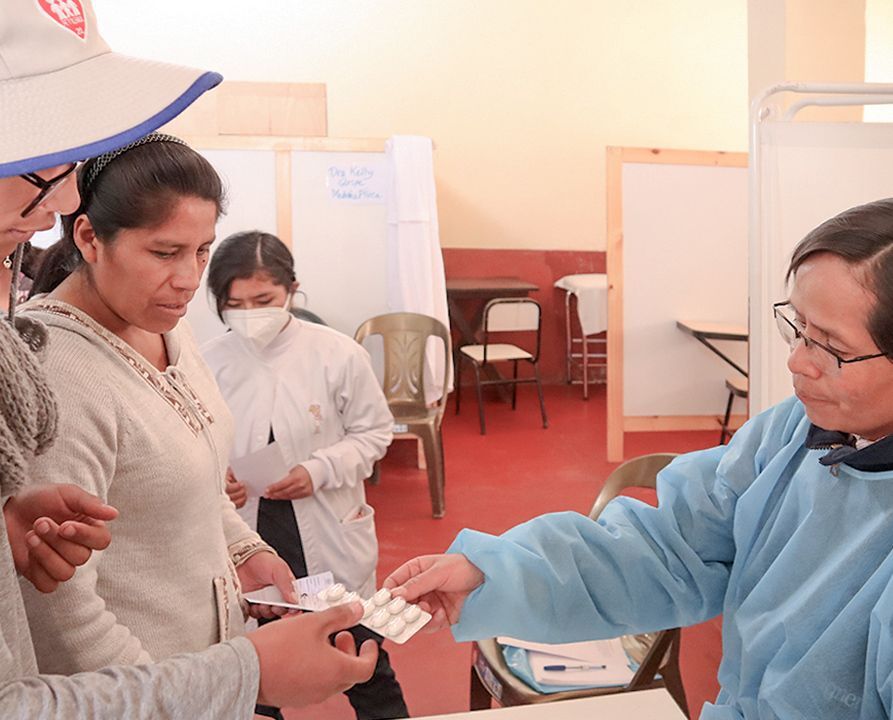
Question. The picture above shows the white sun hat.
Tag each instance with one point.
(65, 96)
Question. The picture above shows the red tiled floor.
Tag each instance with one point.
(518, 470)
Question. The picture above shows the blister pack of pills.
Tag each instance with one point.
(391, 617)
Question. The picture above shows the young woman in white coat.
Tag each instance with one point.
(313, 391)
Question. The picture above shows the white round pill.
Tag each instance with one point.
(381, 597)
(395, 607)
(380, 618)
(335, 593)
(368, 607)
(350, 597)
(412, 613)
(395, 627)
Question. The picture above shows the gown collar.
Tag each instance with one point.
(876, 457)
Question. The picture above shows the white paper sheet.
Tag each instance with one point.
(587, 652)
(609, 653)
(260, 469)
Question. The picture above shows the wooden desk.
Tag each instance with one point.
(704, 332)
(639, 705)
(480, 289)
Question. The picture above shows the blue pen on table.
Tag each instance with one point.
(565, 668)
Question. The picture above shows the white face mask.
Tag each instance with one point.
(259, 325)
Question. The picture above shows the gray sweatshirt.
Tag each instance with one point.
(220, 682)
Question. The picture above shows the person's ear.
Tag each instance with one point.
(85, 239)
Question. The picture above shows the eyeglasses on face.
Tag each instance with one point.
(791, 333)
(47, 188)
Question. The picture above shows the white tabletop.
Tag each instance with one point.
(645, 704)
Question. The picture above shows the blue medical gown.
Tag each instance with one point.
(796, 555)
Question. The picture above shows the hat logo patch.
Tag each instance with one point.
(68, 13)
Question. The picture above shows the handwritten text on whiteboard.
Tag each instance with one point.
(358, 182)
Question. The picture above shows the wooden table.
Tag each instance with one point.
(486, 288)
(639, 705)
(704, 332)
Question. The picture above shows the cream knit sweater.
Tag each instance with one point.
(155, 445)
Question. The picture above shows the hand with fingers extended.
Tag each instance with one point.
(297, 484)
(439, 583)
(236, 491)
(299, 665)
(53, 529)
(261, 570)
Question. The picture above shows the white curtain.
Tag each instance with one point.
(416, 281)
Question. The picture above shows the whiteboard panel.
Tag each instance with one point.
(809, 173)
(250, 181)
(339, 247)
(684, 257)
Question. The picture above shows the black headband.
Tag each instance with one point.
(101, 162)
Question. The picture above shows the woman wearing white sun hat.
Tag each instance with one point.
(64, 96)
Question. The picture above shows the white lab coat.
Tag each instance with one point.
(317, 389)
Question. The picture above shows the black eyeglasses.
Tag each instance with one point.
(829, 360)
(47, 187)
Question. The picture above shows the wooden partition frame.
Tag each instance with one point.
(245, 116)
(283, 147)
(617, 422)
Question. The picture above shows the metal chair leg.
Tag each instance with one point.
(724, 433)
(515, 384)
(585, 349)
(569, 346)
(539, 390)
(457, 363)
(477, 388)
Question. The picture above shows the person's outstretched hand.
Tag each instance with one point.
(440, 583)
(264, 569)
(53, 529)
(299, 665)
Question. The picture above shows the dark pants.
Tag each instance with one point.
(380, 698)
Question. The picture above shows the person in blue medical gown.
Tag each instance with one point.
(787, 531)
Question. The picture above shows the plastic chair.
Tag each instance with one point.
(504, 315)
(657, 653)
(737, 387)
(405, 336)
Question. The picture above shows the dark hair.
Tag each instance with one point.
(243, 254)
(863, 237)
(31, 258)
(137, 189)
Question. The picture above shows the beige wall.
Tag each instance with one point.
(520, 96)
(879, 52)
(808, 41)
